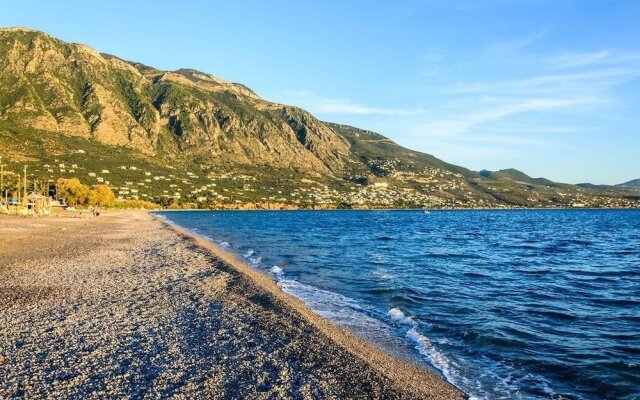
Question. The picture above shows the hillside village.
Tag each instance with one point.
(170, 186)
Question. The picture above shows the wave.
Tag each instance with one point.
(426, 348)
(383, 273)
(340, 309)
(253, 259)
(398, 316)
(435, 357)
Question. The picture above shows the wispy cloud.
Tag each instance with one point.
(498, 118)
(323, 105)
(481, 4)
(533, 128)
(466, 122)
(516, 44)
(566, 82)
(596, 58)
(470, 153)
(572, 60)
(515, 112)
(506, 140)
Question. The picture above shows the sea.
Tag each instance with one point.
(509, 304)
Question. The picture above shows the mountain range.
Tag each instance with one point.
(192, 138)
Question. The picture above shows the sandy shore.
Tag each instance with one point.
(124, 306)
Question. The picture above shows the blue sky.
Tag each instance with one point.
(548, 87)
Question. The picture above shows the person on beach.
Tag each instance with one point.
(96, 211)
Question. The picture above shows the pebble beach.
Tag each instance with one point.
(126, 306)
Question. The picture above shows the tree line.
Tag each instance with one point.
(75, 193)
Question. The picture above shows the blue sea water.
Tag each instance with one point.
(527, 304)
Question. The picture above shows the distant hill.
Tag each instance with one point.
(184, 136)
(594, 186)
(631, 184)
(511, 174)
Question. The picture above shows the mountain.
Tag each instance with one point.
(74, 90)
(185, 136)
(631, 184)
(516, 176)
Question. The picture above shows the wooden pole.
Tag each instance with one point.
(24, 186)
(1, 178)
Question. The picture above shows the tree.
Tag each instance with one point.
(72, 191)
(102, 195)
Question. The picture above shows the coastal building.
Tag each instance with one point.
(38, 204)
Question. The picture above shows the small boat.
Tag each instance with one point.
(426, 211)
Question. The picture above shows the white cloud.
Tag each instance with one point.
(505, 140)
(533, 128)
(495, 119)
(468, 154)
(572, 60)
(601, 57)
(588, 81)
(465, 123)
(323, 105)
(471, 5)
(512, 45)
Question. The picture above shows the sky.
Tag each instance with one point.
(549, 87)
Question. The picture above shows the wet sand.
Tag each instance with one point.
(125, 306)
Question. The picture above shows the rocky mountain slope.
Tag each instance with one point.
(186, 136)
(51, 85)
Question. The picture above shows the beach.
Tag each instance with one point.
(126, 306)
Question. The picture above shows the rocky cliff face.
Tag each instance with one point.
(72, 89)
(51, 85)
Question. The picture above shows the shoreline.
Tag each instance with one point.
(404, 372)
(220, 328)
(396, 209)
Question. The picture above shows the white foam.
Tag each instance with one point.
(427, 349)
(435, 357)
(254, 261)
(249, 253)
(224, 244)
(341, 309)
(397, 315)
(276, 270)
(382, 273)
(165, 218)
